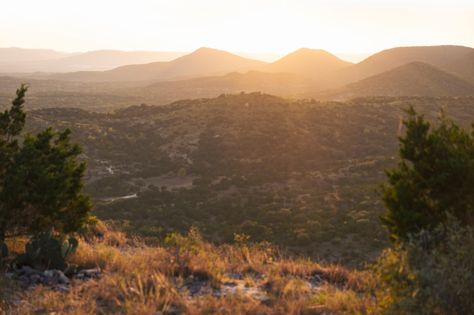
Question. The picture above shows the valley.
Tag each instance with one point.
(301, 174)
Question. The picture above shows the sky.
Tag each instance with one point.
(252, 26)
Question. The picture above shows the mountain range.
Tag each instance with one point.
(305, 73)
(204, 61)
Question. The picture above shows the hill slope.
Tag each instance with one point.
(187, 276)
(311, 63)
(202, 62)
(412, 79)
(299, 174)
(19, 60)
(457, 60)
(283, 84)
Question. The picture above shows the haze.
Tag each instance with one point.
(252, 26)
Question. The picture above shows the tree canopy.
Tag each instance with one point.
(434, 178)
(41, 178)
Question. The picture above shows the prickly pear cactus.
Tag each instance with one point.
(47, 252)
(69, 247)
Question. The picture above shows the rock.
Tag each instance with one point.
(48, 274)
(25, 279)
(88, 273)
(236, 275)
(62, 279)
(27, 270)
(55, 277)
(62, 288)
(35, 279)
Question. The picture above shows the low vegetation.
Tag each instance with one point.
(191, 276)
(300, 174)
(67, 262)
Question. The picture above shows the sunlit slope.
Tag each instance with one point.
(202, 62)
(310, 63)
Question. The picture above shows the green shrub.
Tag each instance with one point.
(432, 273)
(41, 186)
(434, 177)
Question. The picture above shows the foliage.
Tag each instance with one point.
(12, 122)
(430, 274)
(300, 174)
(434, 177)
(41, 185)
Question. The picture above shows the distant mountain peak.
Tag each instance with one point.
(311, 63)
(209, 51)
(304, 50)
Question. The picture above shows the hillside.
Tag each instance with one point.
(202, 62)
(185, 276)
(309, 63)
(299, 174)
(53, 93)
(283, 84)
(457, 60)
(412, 79)
(19, 60)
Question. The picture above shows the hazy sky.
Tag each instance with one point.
(278, 26)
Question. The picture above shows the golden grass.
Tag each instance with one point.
(138, 279)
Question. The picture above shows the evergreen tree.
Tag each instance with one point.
(41, 188)
(434, 177)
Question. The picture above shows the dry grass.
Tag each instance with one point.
(148, 280)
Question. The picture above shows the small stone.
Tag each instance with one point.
(27, 270)
(48, 273)
(62, 279)
(236, 275)
(35, 278)
(90, 273)
(62, 288)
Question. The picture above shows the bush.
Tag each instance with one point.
(432, 273)
(41, 181)
(434, 177)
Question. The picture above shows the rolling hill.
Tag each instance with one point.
(202, 62)
(412, 79)
(283, 84)
(457, 60)
(301, 174)
(310, 63)
(20, 60)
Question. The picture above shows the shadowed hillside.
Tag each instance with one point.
(457, 60)
(413, 79)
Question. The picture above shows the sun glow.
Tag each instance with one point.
(276, 26)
